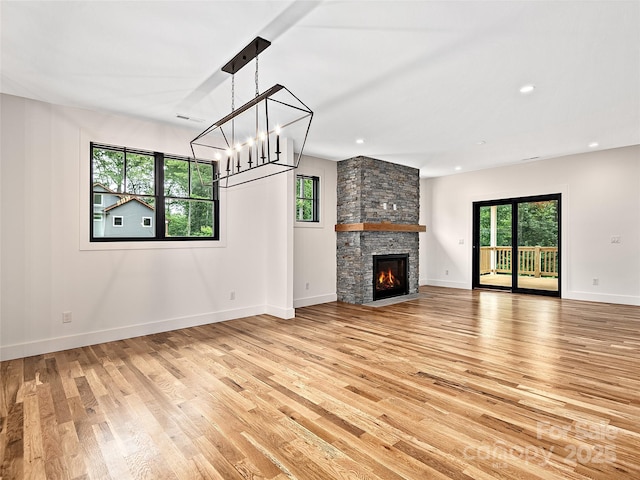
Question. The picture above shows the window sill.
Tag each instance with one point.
(297, 224)
(152, 245)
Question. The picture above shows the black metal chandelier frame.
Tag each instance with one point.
(260, 122)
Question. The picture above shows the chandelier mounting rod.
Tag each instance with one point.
(248, 53)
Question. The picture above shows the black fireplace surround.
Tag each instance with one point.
(390, 276)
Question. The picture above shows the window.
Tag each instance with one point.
(307, 209)
(97, 217)
(151, 196)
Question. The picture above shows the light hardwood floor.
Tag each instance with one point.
(453, 385)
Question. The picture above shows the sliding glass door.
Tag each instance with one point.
(516, 244)
(495, 245)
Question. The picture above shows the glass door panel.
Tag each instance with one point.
(495, 257)
(537, 233)
(516, 244)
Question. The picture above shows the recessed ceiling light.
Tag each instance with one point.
(527, 88)
(481, 142)
(593, 144)
(458, 168)
(360, 141)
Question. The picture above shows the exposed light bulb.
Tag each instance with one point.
(359, 141)
(527, 88)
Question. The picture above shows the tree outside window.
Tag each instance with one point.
(307, 204)
(179, 193)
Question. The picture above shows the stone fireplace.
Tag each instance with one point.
(378, 210)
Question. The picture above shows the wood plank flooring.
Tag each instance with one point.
(455, 384)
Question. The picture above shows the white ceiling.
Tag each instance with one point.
(431, 84)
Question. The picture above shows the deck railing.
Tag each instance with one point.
(535, 261)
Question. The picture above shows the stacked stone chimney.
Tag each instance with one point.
(365, 187)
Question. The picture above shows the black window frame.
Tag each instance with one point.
(315, 200)
(159, 197)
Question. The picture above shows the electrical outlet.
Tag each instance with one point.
(232, 295)
(66, 317)
(596, 282)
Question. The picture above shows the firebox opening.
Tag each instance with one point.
(390, 276)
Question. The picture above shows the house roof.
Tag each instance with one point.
(123, 198)
(100, 185)
(126, 199)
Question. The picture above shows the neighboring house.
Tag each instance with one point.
(120, 215)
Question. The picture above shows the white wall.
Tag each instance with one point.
(115, 291)
(600, 198)
(315, 244)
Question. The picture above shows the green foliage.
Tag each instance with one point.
(189, 218)
(537, 224)
(140, 174)
(176, 225)
(503, 224)
(183, 180)
(206, 231)
(177, 175)
(201, 180)
(108, 169)
(176, 178)
(305, 193)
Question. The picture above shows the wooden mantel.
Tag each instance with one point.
(380, 227)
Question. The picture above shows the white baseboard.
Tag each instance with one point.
(39, 347)
(284, 313)
(602, 297)
(308, 301)
(445, 283)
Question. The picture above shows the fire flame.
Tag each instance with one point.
(387, 280)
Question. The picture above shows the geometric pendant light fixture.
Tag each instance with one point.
(263, 137)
